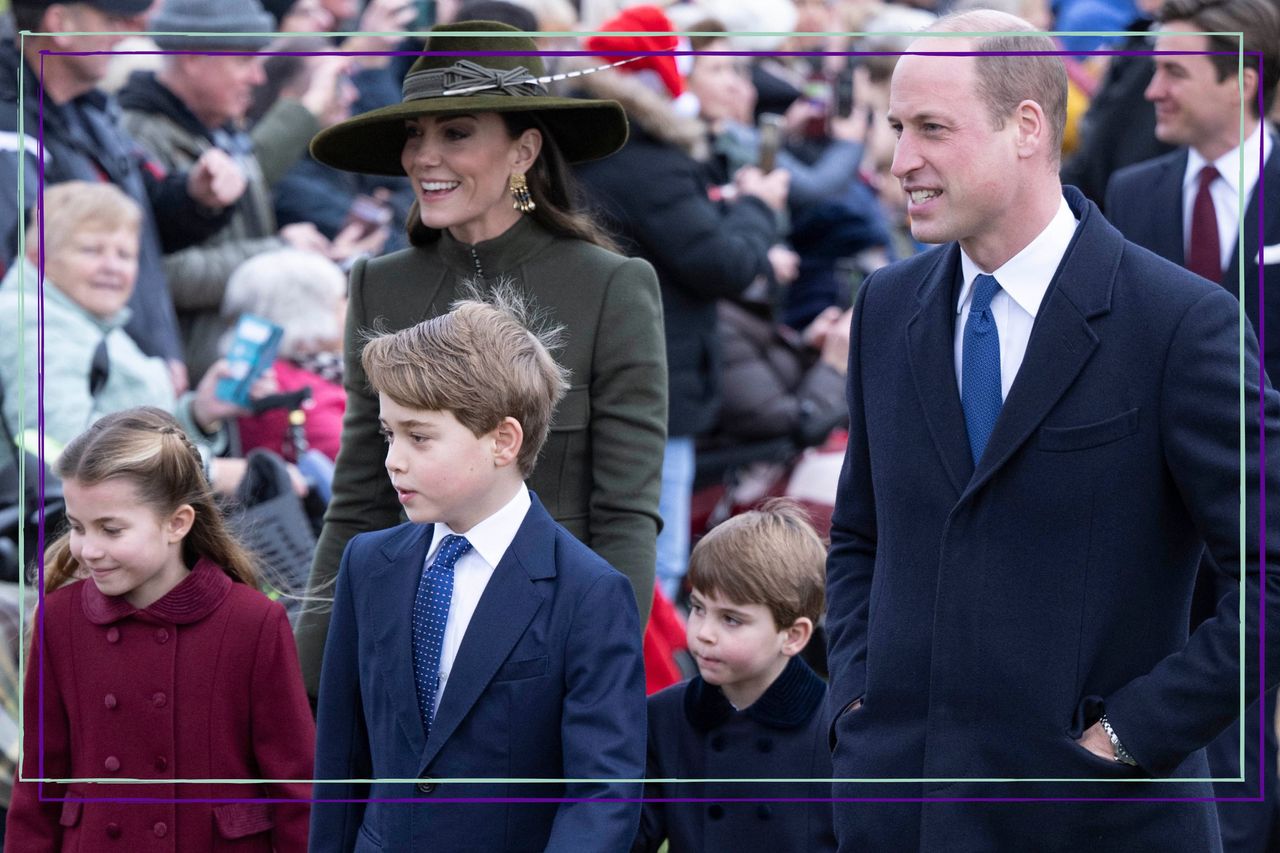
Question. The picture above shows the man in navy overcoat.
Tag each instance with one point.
(1018, 527)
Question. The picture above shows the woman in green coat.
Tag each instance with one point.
(485, 148)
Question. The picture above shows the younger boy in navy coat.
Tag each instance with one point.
(480, 640)
(756, 709)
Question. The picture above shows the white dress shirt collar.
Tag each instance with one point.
(1229, 165)
(1026, 276)
(491, 537)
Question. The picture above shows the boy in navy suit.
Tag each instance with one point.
(480, 640)
(756, 709)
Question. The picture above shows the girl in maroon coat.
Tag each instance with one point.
(155, 658)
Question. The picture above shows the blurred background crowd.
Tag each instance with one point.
(178, 194)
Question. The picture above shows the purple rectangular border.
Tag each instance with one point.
(1261, 438)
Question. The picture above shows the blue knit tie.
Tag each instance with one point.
(430, 612)
(980, 371)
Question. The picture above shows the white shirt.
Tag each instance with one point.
(1230, 192)
(489, 542)
(1024, 279)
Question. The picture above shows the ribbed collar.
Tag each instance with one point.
(788, 703)
(497, 256)
(194, 598)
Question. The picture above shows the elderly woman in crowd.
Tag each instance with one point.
(486, 148)
(91, 366)
(305, 294)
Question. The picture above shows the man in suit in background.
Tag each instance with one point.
(1185, 206)
(1044, 435)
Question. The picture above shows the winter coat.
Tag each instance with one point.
(323, 427)
(654, 195)
(203, 684)
(83, 141)
(774, 386)
(174, 136)
(694, 733)
(71, 335)
(600, 469)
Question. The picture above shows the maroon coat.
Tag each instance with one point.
(203, 684)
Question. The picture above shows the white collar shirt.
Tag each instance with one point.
(1023, 279)
(489, 540)
(1238, 174)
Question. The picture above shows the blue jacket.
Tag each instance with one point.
(548, 684)
(987, 616)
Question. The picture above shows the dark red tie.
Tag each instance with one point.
(1204, 255)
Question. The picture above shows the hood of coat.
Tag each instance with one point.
(144, 93)
(648, 111)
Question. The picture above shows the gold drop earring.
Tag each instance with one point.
(521, 199)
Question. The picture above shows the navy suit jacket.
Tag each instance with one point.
(1144, 202)
(987, 615)
(548, 684)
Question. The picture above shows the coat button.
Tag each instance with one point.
(715, 811)
(717, 743)
(161, 829)
(162, 636)
(110, 701)
(764, 812)
(113, 830)
(112, 764)
(159, 700)
(426, 787)
(162, 763)
(113, 634)
(765, 744)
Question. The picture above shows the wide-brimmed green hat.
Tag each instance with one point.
(371, 142)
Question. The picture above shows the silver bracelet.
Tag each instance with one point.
(1122, 754)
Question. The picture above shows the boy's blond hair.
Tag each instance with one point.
(482, 362)
(770, 556)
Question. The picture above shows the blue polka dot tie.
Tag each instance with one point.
(430, 612)
(980, 370)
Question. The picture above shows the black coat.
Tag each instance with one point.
(654, 197)
(82, 141)
(694, 733)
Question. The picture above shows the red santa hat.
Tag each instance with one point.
(657, 35)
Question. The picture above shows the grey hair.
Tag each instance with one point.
(294, 289)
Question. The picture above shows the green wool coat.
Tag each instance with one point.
(600, 470)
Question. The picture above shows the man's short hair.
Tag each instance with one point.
(770, 556)
(1259, 20)
(1006, 81)
(72, 207)
(482, 362)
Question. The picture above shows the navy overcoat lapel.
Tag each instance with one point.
(931, 355)
(396, 583)
(1061, 340)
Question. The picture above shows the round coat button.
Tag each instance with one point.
(159, 700)
(112, 763)
(717, 743)
(764, 812)
(161, 829)
(426, 787)
(715, 812)
(113, 830)
(162, 636)
(110, 701)
(113, 634)
(162, 763)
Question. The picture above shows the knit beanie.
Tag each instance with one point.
(658, 35)
(228, 19)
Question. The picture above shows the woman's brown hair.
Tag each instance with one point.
(146, 446)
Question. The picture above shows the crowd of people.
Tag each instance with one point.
(537, 300)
